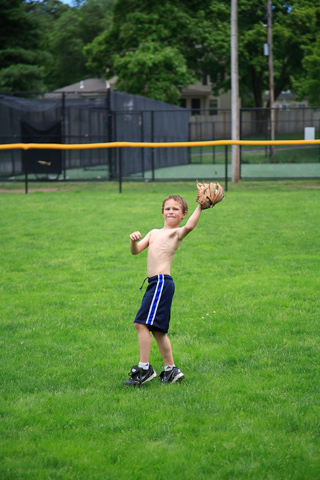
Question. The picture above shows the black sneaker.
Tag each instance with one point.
(172, 376)
(139, 376)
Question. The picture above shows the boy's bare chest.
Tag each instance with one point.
(164, 240)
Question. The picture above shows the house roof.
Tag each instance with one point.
(194, 91)
(89, 85)
(95, 86)
(284, 95)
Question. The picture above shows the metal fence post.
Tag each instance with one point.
(63, 121)
(152, 140)
(142, 140)
(240, 146)
(13, 167)
(319, 137)
(26, 175)
(213, 147)
(120, 169)
(226, 168)
(109, 131)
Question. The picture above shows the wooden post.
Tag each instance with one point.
(234, 91)
(271, 87)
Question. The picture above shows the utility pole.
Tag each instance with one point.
(234, 92)
(271, 87)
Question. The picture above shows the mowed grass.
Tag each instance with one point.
(244, 330)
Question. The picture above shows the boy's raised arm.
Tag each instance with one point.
(191, 223)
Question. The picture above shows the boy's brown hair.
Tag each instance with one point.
(178, 199)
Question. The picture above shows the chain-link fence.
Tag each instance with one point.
(75, 118)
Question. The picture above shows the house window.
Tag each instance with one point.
(284, 106)
(183, 102)
(213, 105)
(195, 106)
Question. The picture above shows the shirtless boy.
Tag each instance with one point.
(154, 313)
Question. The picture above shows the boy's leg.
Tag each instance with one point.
(164, 346)
(141, 374)
(144, 339)
(171, 373)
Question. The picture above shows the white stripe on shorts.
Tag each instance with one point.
(156, 300)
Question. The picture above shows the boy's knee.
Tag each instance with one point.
(159, 335)
(141, 327)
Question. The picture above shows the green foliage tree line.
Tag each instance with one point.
(156, 48)
(41, 42)
(148, 40)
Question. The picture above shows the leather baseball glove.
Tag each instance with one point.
(208, 194)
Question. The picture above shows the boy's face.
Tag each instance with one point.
(173, 213)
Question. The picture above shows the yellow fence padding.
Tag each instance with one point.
(83, 146)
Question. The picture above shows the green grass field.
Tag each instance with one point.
(244, 330)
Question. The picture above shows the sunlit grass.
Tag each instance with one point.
(244, 330)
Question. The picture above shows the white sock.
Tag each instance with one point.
(168, 368)
(144, 366)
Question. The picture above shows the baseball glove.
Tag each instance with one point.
(208, 194)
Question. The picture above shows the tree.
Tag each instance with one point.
(95, 18)
(21, 53)
(197, 36)
(67, 64)
(71, 30)
(294, 33)
(293, 30)
(308, 83)
(146, 48)
(156, 48)
(42, 41)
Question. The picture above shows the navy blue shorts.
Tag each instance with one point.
(156, 304)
